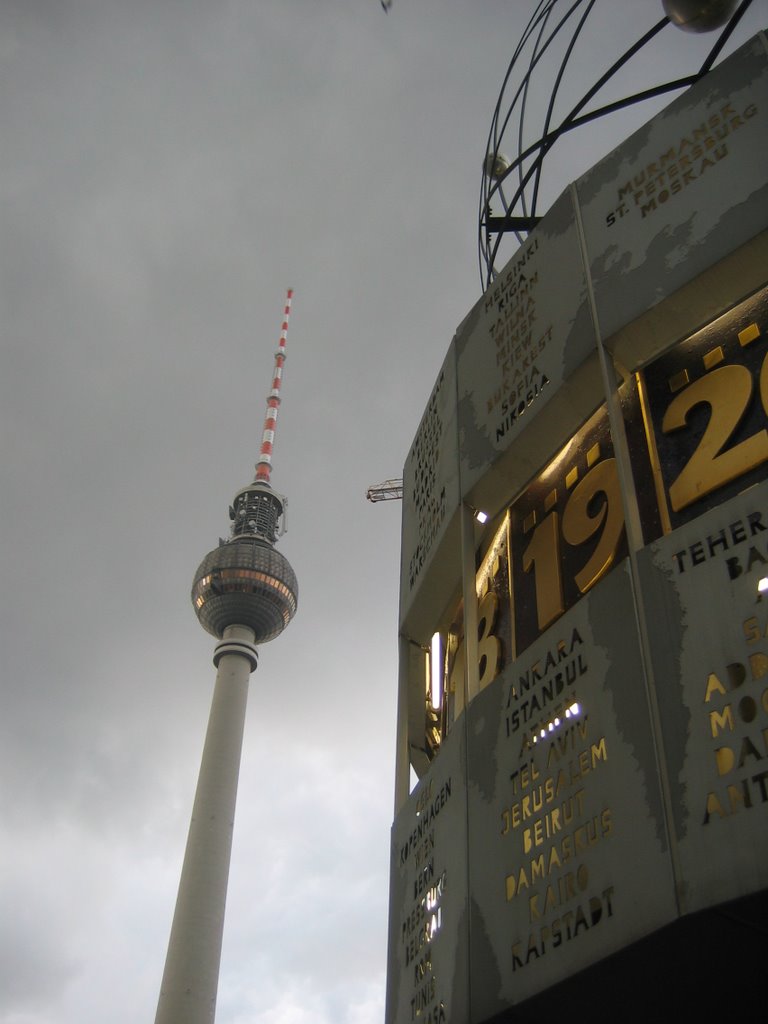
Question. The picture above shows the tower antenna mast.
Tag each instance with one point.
(244, 593)
(264, 465)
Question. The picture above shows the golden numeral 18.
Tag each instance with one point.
(488, 647)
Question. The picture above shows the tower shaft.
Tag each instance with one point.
(190, 979)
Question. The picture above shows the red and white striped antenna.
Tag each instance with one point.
(264, 463)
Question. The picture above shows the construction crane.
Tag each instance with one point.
(389, 490)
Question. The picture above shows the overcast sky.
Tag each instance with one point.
(167, 170)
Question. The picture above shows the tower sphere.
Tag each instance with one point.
(245, 582)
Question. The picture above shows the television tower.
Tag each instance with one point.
(245, 593)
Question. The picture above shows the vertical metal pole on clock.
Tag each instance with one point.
(634, 533)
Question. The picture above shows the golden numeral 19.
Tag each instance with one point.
(543, 554)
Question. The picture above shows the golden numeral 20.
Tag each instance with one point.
(727, 391)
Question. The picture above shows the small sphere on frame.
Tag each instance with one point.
(699, 15)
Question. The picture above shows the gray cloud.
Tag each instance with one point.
(167, 171)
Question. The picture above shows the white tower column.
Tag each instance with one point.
(244, 593)
(190, 979)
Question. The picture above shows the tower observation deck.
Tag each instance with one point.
(244, 593)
